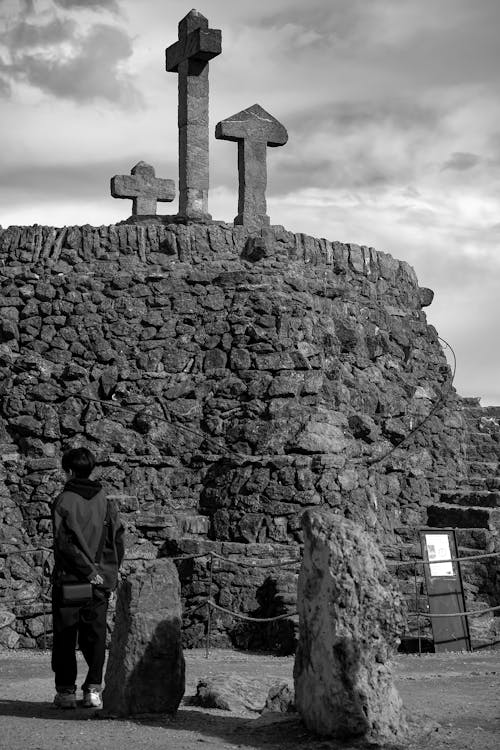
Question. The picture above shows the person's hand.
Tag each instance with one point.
(97, 580)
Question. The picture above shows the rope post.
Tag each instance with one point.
(44, 626)
(209, 608)
(417, 609)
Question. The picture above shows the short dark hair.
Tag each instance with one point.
(80, 461)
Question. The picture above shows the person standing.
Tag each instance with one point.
(88, 548)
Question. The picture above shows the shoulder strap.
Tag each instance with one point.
(100, 548)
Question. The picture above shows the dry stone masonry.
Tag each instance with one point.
(222, 397)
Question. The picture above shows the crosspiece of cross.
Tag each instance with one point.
(254, 130)
(143, 188)
(188, 57)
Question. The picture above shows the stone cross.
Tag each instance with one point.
(254, 130)
(189, 58)
(143, 188)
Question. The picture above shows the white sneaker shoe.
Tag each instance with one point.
(65, 700)
(92, 699)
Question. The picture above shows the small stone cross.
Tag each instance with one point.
(254, 130)
(143, 188)
(189, 58)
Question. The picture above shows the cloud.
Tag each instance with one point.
(91, 72)
(24, 35)
(461, 161)
(98, 5)
(5, 87)
(365, 145)
(59, 59)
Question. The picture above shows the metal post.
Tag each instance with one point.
(44, 626)
(209, 609)
(417, 609)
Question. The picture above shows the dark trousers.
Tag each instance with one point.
(87, 625)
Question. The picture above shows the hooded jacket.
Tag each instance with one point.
(80, 514)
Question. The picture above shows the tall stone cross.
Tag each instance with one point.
(143, 188)
(189, 58)
(254, 130)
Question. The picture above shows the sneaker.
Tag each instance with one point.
(65, 700)
(92, 699)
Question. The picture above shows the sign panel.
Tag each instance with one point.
(438, 548)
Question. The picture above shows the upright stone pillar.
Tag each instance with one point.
(349, 624)
(145, 673)
(254, 130)
(189, 57)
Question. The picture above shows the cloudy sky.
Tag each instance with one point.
(392, 109)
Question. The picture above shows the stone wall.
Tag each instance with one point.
(226, 382)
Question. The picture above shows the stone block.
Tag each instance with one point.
(320, 437)
(145, 672)
(9, 638)
(350, 623)
(230, 692)
(280, 699)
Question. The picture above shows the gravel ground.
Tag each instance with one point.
(452, 701)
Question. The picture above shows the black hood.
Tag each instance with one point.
(87, 488)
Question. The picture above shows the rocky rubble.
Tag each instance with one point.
(226, 382)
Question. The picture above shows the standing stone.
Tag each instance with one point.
(254, 130)
(143, 188)
(189, 58)
(145, 672)
(350, 620)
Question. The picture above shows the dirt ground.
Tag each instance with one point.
(451, 700)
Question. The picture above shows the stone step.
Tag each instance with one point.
(493, 483)
(483, 465)
(183, 523)
(194, 525)
(487, 483)
(475, 540)
(475, 454)
(458, 516)
(471, 498)
(485, 469)
(480, 433)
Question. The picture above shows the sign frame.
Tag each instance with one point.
(445, 591)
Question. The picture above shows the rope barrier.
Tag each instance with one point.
(210, 604)
(241, 616)
(22, 602)
(199, 555)
(249, 564)
(470, 558)
(281, 563)
(441, 400)
(472, 613)
(23, 551)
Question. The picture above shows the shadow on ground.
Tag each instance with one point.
(270, 731)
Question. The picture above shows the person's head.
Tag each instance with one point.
(79, 462)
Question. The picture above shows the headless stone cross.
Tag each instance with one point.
(143, 188)
(189, 58)
(254, 130)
